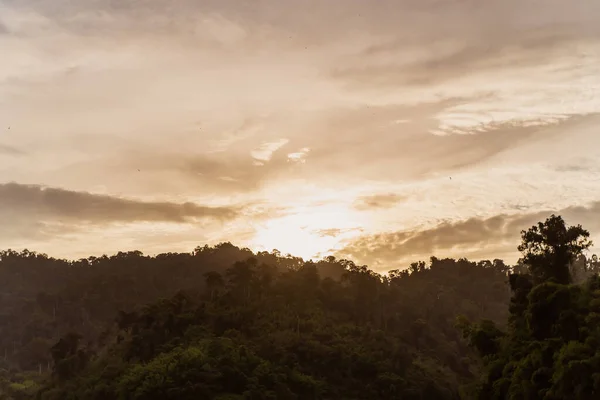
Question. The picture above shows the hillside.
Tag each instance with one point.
(225, 323)
(331, 318)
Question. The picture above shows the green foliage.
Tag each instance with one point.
(551, 349)
(484, 336)
(550, 247)
(225, 323)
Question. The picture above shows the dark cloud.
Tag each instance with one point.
(571, 168)
(34, 202)
(310, 22)
(584, 164)
(529, 49)
(475, 236)
(10, 150)
(498, 13)
(385, 200)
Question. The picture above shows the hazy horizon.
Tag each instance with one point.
(382, 134)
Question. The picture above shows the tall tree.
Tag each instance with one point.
(550, 247)
(214, 282)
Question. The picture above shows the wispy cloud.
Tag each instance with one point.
(474, 237)
(10, 150)
(264, 152)
(451, 59)
(335, 232)
(299, 156)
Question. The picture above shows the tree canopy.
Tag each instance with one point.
(223, 322)
(549, 350)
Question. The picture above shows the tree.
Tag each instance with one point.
(214, 282)
(550, 351)
(241, 276)
(281, 328)
(550, 247)
(68, 358)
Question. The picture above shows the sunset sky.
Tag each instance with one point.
(381, 131)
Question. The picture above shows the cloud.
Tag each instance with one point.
(445, 61)
(264, 152)
(473, 237)
(578, 165)
(299, 156)
(486, 49)
(34, 202)
(10, 150)
(392, 152)
(386, 200)
(335, 232)
(233, 172)
(499, 95)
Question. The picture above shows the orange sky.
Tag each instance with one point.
(383, 131)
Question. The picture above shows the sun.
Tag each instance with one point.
(308, 232)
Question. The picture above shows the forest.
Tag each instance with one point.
(225, 323)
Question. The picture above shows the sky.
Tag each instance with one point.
(385, 132)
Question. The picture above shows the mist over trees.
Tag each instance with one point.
(223, 322)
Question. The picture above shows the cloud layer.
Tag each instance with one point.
(407, 117)
(98, 209)
(36, 214)
(497, 236)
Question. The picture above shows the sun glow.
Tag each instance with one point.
(308, 232)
